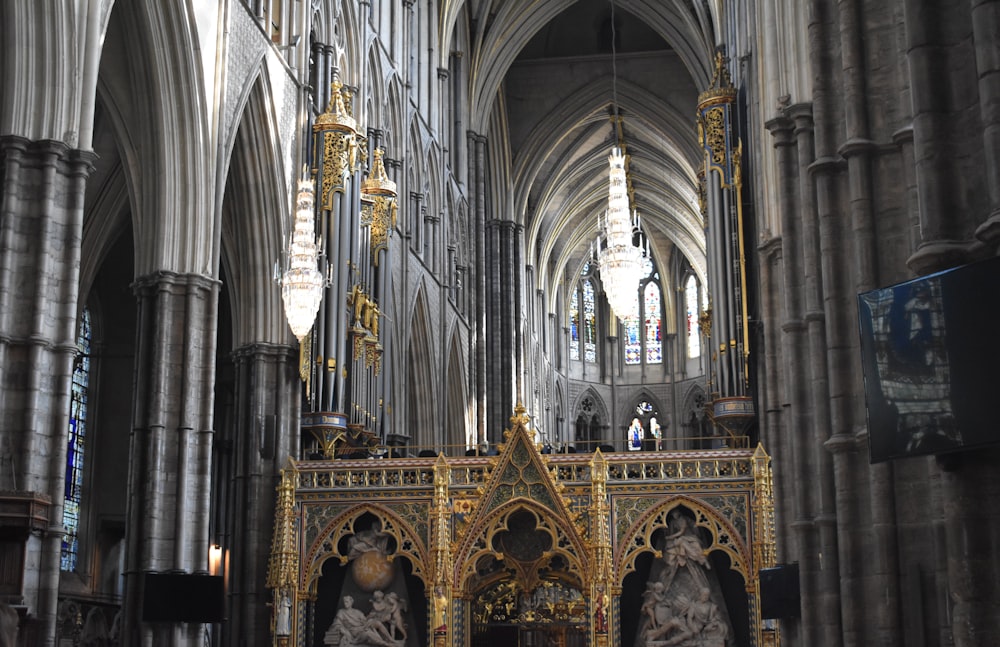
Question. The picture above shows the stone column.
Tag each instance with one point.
(41, 225)
(477, 180)
(503, 318)
(264, 436)
(823, 498)
(171, 444)
(985, 18)
(942, 138)
(795, 395)
(972, 591)
(859, 151)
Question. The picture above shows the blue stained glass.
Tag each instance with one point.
(574, 326)
(75, 448)
(589, 322)
(654, 325)
(691, 305)
(633, 334)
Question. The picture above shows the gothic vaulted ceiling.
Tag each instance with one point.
(554, 76)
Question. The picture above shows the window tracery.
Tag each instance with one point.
(75, 447)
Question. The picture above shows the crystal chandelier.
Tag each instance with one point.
(620, 261)
(302, 283)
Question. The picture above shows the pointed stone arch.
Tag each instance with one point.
(324, 545)
(254, 192)
(520, 484)
(458, 428)
(168, 136)
(394, 135)
(631, 412)
(589, 420)
(420, 422)
(637, 538)
(349, 44)
(375, 98)
(694, 421)
(559, 405)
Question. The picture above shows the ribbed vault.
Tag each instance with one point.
(544, 84)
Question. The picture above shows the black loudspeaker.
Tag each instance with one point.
(183, 597)
(779, 592)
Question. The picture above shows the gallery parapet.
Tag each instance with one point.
(472, 471)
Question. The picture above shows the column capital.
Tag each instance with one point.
(174, 282)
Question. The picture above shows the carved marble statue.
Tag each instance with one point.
(283, 617)
(678, 609)
(371, 539)
(352, 628)
(683, 549)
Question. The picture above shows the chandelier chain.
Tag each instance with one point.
(614, 68)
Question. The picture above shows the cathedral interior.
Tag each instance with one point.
(576, 323)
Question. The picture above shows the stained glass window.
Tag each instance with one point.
(654, 324)
(633, 337)
(589, 322)
(574, 325)
(691, 304)
(75, 447)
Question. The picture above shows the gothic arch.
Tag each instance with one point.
(478, 542)
(420, 366)
(375, 98)
(174, 165)
(695, 398)
(349, 38)
(409, 544)
(457, 422)
(638, 536)
(251, 239)
(394, 135)
(512, 25)
(642, 394)
(693, 419)
(589, 409)
(110, 214)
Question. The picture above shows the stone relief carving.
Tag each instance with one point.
(383, 626)
(682, 605)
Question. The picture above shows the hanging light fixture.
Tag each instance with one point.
(620, 261)
(302, 282)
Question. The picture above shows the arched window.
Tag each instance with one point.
(583, 318)
(654, 323)
(574, 325)
(643, 325)
(691, 303)
(633, 336)
(589, 322)
(75, 446)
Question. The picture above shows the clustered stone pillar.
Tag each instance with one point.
(477, 179)
(848, 175)
(41, 225)
(264, 435)
(503, 320)
(793, 346)
(950, 236)
(168, 514)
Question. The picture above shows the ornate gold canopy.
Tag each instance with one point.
(482, 532)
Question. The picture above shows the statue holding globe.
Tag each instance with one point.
(371, 564)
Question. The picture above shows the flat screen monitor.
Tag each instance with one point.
(930, 354)
(183, 597)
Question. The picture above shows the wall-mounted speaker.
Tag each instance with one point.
(779, 592)
(183, 597)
